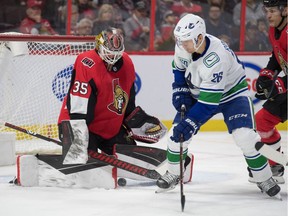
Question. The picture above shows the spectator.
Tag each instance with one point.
(105, 19)
(63, 19)
(137, 28)
(170, 20)
(252, 40)
(253, 12)
(34, 23)
(84, 27)
(226, 16)
(162, 7)
(229, 5)
(123, 10)
(214, 24)
(167, 28)
(263, 33)
(86, 9)
(186, 6)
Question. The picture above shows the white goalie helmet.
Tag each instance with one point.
(190, 27)
(110, 45)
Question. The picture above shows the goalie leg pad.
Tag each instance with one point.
(27, 171)
(33, 172)
(75, 141)
(143, 127)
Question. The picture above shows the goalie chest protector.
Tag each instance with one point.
(112, 93)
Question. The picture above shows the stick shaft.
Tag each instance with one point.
(32, 133)
(183, 108)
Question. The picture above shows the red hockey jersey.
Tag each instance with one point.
(97, 92)
(280, 47)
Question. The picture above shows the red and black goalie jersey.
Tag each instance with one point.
(98, 95)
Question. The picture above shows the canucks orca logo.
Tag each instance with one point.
(61, 83)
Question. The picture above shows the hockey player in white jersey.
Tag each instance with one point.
(210, 79)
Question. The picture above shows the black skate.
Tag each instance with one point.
(168, 181)
(14, 181)
(277, 173)
(270, 187)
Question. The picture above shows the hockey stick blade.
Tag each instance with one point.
(163, 190)
(271, 154)
(100, 157)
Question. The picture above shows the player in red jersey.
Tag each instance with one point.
(100, 104)
(271, 85)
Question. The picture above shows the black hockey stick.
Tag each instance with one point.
(100, 157)
(183, 109)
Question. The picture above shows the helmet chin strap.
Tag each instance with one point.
(283, 17)
(196, 48)
(282, 20)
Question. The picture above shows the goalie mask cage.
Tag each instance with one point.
(34, 78)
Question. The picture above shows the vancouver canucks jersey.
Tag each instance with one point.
(215, 77)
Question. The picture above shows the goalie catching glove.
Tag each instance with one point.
(143, 127)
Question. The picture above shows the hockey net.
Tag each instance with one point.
(34, 78)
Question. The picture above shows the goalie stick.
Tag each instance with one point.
(100, 157)
(270, 153)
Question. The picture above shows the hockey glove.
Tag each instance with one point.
(143, 127)
(265, 84)
(268, 87)
(185, 128)
(181, 95)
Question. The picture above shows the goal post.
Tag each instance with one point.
(35, 73)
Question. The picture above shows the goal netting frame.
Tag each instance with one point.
(34, 78)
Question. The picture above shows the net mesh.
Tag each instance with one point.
(34, 79)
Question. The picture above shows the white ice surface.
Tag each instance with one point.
(219, 188)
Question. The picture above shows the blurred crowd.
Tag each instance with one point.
(90, 17)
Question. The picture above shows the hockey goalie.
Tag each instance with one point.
(99, 115)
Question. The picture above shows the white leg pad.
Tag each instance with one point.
(27, 170)
(189, 169)
(34, 172)
(101, 177)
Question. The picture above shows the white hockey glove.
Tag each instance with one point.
(75, 141)
(143, 127)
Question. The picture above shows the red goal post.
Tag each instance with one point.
(34, 78)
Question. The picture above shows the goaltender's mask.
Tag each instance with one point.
(110, 45)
